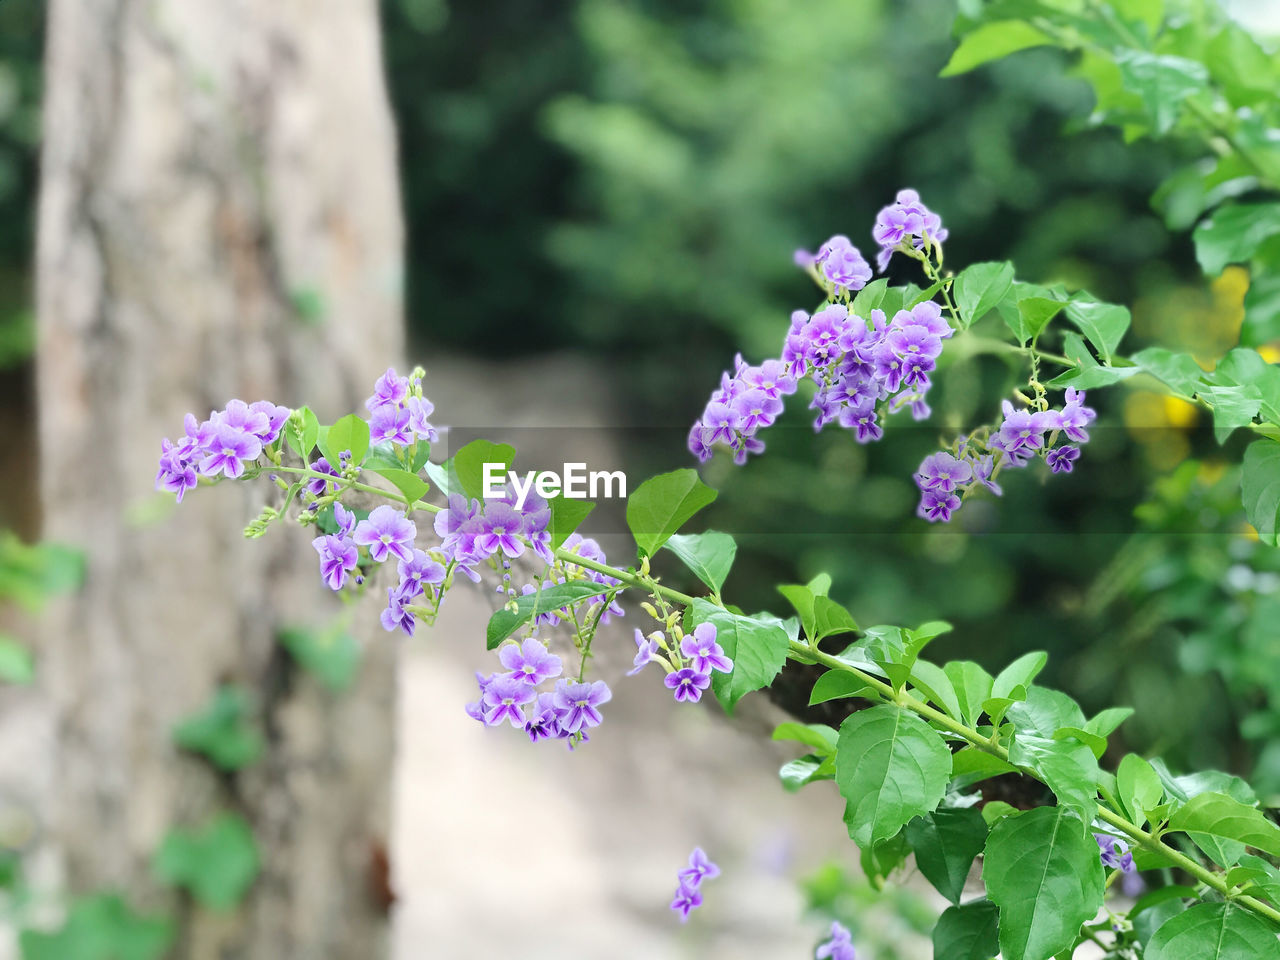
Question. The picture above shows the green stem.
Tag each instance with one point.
(1142, 838)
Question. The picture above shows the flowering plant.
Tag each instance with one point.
(922, 741)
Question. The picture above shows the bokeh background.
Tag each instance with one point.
(600, 202)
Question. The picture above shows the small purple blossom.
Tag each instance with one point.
(419, 409)
(529, 661)
(544, 721)
(318, 487)
(390, 424)
(387, 532)
(504, 699)
(338, 557)
(228, 450)
(390, 390)
(688, 684)
(700, 868)
(942, 473)
(908, 221)
(579, 704)
(1075, 416)
(838, 946)
(935, 506)
(1061, 459)
(275, 415)
(646, 650)
(687, 899)
(417, 572)
(706, 655)
(397, 615)
(501, 530)
(1115, 853)
(842, 264)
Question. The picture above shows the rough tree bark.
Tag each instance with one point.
(219, 218)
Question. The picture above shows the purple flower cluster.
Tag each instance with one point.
(1115, 853)
(905, 223)
(863, 370)
(839, 946)
(688, 665)
(863, 367)
(398, 411)
(220, 446)
(566, 712)
(945, 479)
(471, 532)
(689, 883)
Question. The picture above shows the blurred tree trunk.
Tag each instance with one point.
(219, 218)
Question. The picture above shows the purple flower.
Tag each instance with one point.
(935, 506)
(416, 572)
(578, 704)
(344, 518)
(318, 487)
(475, 709)
(1022, 432)
(802, 259)
(530, 661)
(176, 474)
(914, 340)
(338, 557)
(928, 315)
(228, 450)
(842, 264)
(397, 615)
(504, 699)
(863, 420)
(984, 473)
(244, 418)
(688, 684)
(755, 409)
(543, 722)
(390, 390)
(502, 526)
(1115, 853)
(839, 946)
(771, 377)
(386, 532)
(942, 473)
(1062, 458)
(1075, 416)
(906, 220)
(390, 424)
(419, 409)
(687, 900)
(706, 654)
(276, 416)
(700, 868)
(646, 650)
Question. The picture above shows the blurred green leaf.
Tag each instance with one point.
(216, 862)
(223, 731)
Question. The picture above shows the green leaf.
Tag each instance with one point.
(972, 686)
(709, 555)
(996, 810)
(803, 771)
(349, 433)
(410, 484)
(1036, 313)
(1067, 766)
(892, 767)
(1103, 324)
(1234, 234)
(503, 623)
(945, 843)
(330, 654)
(661, 505)
(991, 41)
(1012, 683)
(1213, 931)
(101, 927)
(566, 516)
(1162, 82)
(980, 287)
(836, 684)
(1041, 307)
(820, 616)
(16, 665)
(1260, 488)
(222, 731)
(1233, 407)
(757, 647)
(1106, 722)
(970, 766)
(468, 464)
(1219, 815)
(869, 298)
(216, 862)
(1138, 787)
(1177, 370)
(1246, 368)
(301, 431)
(930, 680)
(1043, 871)
(1044, 712)
(817, 735)
(967, 932)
